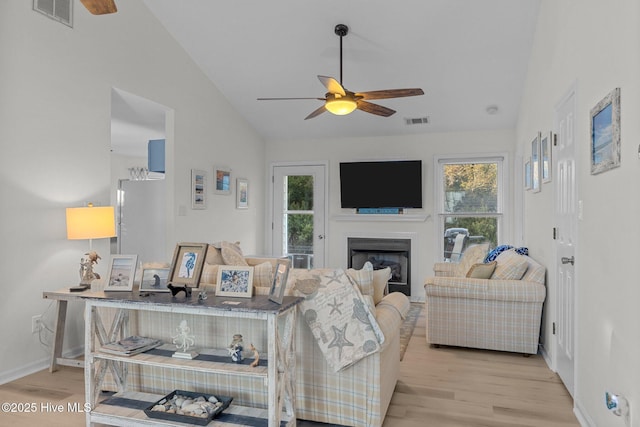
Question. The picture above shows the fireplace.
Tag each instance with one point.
(382, 253)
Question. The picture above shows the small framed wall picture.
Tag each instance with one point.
(546, 143)
(198, 189)
(242, 193)
(234, 281)
(535, 164)
(187, 263)
(154, 280)
(222, 180)
(122, 272)
(605, 133)
(276, 294)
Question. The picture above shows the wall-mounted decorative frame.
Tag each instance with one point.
(122, 272)
(535, 164)
(527, 174)
(221, 180)
(234, 281)
(187, 263)
(154, 280)
(276, 293)
(605, 133)
(546, 144)
(198, 189)
(242, 193)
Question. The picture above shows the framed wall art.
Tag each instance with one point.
(242, 193)
(605, 133)
(527, 174)
(187, 263)
(222, 180)
(546, 143)
(535, 164)
(198, 189)
(276, 294)
(154, 280)
(234, 281)
(122, 272)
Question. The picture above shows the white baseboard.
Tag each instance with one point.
(33, 367)
(583, 418)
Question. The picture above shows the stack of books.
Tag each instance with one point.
(130, 346)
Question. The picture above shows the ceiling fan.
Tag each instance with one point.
(100, 7)
(340, 101)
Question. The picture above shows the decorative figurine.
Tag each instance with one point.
(177, 289)
(86, 268)
(235, 348)
(184, 340)
(202, 295)
(256, 355)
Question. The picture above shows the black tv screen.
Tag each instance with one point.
(381, 184)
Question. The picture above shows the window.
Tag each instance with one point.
(469, 203)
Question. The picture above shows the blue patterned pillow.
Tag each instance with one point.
(493, 254)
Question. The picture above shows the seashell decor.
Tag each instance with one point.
(185, 405)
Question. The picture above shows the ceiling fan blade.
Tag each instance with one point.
(376, 109)
(287, 99)
(316, 113)
(100, 7)
(332, 85)
(390, 93)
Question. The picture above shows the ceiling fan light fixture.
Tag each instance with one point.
(340, 106)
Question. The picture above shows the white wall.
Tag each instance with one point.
(414, 147)
(55, 112)
(596, 45)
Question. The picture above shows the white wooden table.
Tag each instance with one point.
(279, 374)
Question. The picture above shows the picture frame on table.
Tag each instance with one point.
(242, 193)
(605, 133)
(222, 180)
(198, 189)
(535, 164)
(546, 144)
(234, 281)
(187, 263)
(527, 174)
(122, 272)
(154, 279)
(276, 293)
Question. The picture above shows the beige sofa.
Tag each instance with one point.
(502, 312)
(358, 395)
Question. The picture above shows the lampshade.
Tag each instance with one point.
(340, 106)
(91, 222)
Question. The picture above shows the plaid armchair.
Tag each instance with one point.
(496, 314)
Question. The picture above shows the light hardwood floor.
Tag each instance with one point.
(441, 387)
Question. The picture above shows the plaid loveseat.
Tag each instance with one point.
(494, 314)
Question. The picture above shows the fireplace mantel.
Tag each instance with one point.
(382, 217)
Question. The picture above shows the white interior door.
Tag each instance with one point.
(566, 216)
(299, 212)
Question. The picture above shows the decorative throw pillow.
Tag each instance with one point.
(472, 255)
(340, 321)
(232, 254)
(493, 254)
(380, 284)
(363, 278)
(511, 266)
(214, 256)
(481, 270)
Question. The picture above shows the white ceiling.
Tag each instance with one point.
(466, 55)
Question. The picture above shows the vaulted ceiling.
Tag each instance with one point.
(467, 55)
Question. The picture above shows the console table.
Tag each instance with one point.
(278, 375)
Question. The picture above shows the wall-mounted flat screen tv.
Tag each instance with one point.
(381, 184)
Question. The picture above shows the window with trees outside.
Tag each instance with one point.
(470, 203)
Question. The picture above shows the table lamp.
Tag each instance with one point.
(90, 222)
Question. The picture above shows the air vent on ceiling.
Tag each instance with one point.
(417, 121)
(58, 10)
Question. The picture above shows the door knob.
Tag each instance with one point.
(566, 260)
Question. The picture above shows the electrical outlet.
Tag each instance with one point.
(36, 323)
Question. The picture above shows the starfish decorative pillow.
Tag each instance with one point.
(339, 317)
